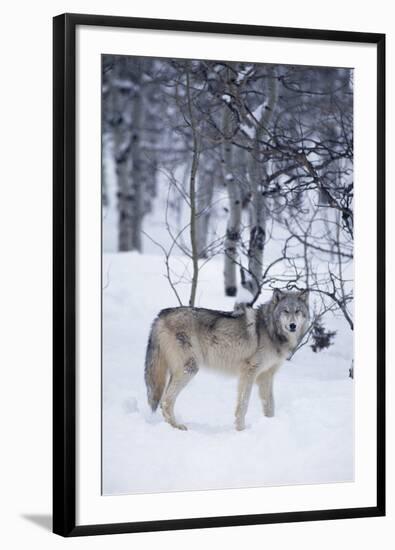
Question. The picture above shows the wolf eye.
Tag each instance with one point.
(297, 311)
(286, 311)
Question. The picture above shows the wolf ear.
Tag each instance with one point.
(304, 295)
(277, 295)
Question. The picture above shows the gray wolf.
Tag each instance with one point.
(251, 343)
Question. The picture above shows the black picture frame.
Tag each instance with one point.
(64, 273)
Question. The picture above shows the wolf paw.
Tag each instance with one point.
(181, 427)
(240, 426)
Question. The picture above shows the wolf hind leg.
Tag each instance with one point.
(246, 380)
(265, 385)
(177, 382)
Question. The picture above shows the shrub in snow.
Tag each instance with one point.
(322, 338)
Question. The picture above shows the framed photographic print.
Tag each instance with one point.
(218, 275)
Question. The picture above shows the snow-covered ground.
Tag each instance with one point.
(310, 439)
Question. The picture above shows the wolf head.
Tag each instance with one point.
(291, 311)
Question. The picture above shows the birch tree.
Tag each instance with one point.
(258, 180)
(192, 186)
(206, 183)
(234, 193)
(128, 110)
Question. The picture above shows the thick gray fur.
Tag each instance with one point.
(249, 343)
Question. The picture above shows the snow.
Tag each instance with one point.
(310, 439)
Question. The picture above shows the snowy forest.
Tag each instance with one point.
(221, 181)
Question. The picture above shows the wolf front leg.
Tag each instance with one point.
(246, 380)
(178, 380)
(265, 384)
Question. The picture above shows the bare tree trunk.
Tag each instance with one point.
(233, 226)
(149, 168)
(105, 146)
(121, 132)
(204, 199)
(137, 207)
(192, 193)
(123, 170)
(258, 182)
(149, 155)
(258, 226)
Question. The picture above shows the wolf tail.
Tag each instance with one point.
(155, 369)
